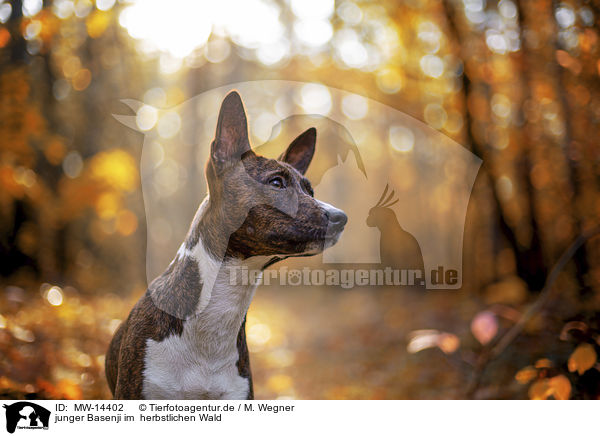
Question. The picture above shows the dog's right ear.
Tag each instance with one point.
(231, 137)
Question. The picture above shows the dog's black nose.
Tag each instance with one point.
(338, 218)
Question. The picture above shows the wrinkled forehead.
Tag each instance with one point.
(259, 167)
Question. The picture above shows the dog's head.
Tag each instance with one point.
(267, 206)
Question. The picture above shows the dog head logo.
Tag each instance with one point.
(26, 415)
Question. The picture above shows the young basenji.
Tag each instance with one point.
(185, 338)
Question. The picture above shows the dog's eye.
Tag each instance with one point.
(277, 182)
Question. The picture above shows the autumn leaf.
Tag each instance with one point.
(525, 375)
(582, 359)
(484, 326)
(540, 390)
(448, 343)
(560, 387)
(572, 325)
(423, 339)
(543, 363)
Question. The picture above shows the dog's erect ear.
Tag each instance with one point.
(301, 150)
(231, 137)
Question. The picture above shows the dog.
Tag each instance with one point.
(185, 338)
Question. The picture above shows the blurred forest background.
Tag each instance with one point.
(516, 82)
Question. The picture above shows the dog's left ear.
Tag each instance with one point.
(301, 151)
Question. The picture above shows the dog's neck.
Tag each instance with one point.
(199, 287)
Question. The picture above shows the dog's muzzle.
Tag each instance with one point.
(337, 219)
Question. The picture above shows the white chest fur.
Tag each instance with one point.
(177, 369)
(201, 363)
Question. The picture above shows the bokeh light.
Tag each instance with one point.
(177, 27)
(401, 139)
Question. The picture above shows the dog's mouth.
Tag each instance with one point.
(331, 240)
(329, 234)
(326, 239)
(334, 232)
